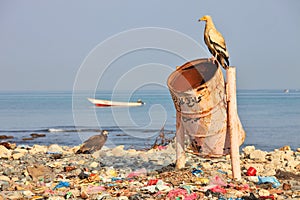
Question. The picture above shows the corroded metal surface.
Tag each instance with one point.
(198, 92)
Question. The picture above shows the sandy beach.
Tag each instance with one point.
(56, 172)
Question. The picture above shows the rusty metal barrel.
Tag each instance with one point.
(198, 92)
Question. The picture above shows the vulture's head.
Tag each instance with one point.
(205, 18)
(104, 132)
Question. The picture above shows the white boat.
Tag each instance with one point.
(108, 103)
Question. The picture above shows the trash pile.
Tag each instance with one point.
(55, 172)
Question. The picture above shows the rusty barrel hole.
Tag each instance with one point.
(192, 75)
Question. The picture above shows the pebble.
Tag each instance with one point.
(4, 178)
(94, 165)
(17, 156)
(258, 155)
(286, 186)
(54, 149)
(4, 152)
(263, 192)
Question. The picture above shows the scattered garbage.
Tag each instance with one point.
(78, 177)
(270, 179)
(62, 184)
(222, 172)
(181, 193)
(197, 172)
(139, 172)
(217, 180)
(251, 171)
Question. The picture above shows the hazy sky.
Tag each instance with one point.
(43, 43)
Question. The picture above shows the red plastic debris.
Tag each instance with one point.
(251, 171)
(152, 182)
(267, 197)
(219, 189)
(181, 193)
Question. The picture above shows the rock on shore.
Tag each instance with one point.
(56, 172)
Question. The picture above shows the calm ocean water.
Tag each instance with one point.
(271, 118)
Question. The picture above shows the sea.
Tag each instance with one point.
(271, 118)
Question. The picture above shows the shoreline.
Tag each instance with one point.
(56, 172)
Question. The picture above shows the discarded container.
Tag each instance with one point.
(251, 171)
(198, 92)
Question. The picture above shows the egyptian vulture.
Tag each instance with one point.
(215, 42)
(94, 143)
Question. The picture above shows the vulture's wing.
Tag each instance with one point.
(217, 40)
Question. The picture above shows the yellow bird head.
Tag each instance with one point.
(205, 18)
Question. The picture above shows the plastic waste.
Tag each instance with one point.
(197, 172)
(267, 197)
(116, 179)
(217, 180)
(251, 171)
(269, 179)
(202, 181)
(152, 182)
(218, 189)
(95, 189)
(111, 172)
(162, 186)
(179, 192)
(68, 195)
(222, 172)
(139, 172)
(62, 184)
(159, 186)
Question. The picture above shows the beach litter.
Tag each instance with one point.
(251, 171)
(36, 175)
(272, 179)
(61, 184)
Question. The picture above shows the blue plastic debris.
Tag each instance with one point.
(269, 179)
(62, 184)
(116, 179)
(197, 172)
(222, 172)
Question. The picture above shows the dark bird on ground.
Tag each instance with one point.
(215, 42)
(94, 143)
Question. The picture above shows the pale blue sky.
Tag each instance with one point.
(43, 43)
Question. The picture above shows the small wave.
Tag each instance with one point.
(56, 130)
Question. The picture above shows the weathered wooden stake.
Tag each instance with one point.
(180, 152)
(233, 122)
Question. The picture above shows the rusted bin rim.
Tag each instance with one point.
(193, 82)
(188, 66)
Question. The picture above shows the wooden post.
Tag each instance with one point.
(179, 145)
(233, 122)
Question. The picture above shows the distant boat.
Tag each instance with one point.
(108, 103)
(286, 91)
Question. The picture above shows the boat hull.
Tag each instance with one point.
(107, 103)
